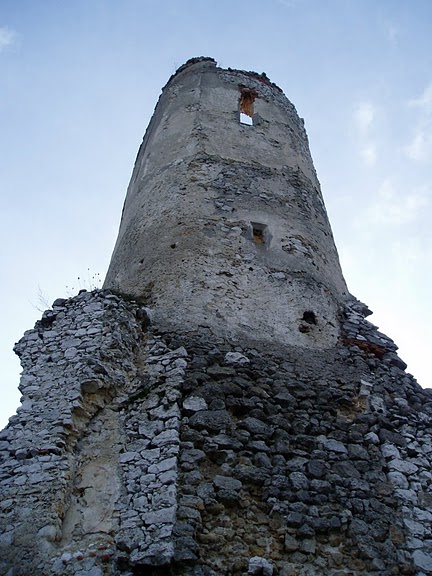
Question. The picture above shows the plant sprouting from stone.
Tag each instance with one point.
(91, 281)
(42, 300)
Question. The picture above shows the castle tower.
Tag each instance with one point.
(224, 224)
(222, 407)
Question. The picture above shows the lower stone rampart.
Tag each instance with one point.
(141, 452)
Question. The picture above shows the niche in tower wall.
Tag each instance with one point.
(260, 234)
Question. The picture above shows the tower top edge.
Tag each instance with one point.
(212, 63)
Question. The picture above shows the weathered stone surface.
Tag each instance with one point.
(215, 420)
(403, 466)
(161, 516)
(194, 404)
(333, 445)
(258, 565)
(423, 561)
(227, 483)
(236, 358)
(257, 427)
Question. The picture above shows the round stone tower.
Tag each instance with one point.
(224, 225)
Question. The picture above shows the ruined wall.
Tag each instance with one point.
(259, 425)
(138, 451)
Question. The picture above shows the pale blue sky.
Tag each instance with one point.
(79, 81)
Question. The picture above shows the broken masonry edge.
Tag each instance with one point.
(202, 59)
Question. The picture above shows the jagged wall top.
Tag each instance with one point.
(212, 62)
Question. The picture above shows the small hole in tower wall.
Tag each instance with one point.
(309, 317)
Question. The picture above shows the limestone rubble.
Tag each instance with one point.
(185, 454)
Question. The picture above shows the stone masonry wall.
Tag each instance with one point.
(74, 493)
(137, 451)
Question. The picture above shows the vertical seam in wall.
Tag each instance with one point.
(198, 124)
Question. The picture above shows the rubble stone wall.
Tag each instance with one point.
(143, 451)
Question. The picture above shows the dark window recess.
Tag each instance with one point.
(247, 98)
(309, 317)
(259, 234)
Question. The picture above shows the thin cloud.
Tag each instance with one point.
(392, 33)
(419, 148)
(412, 249)
(424, 102)
(289, 3)
(394, 209)
(364, 115)
(8, 38)
(369, 154)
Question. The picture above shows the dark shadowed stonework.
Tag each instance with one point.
(187, 446)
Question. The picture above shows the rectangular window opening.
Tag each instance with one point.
(258, 233)
(258, 236)
(246, 105)
(245, 119)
